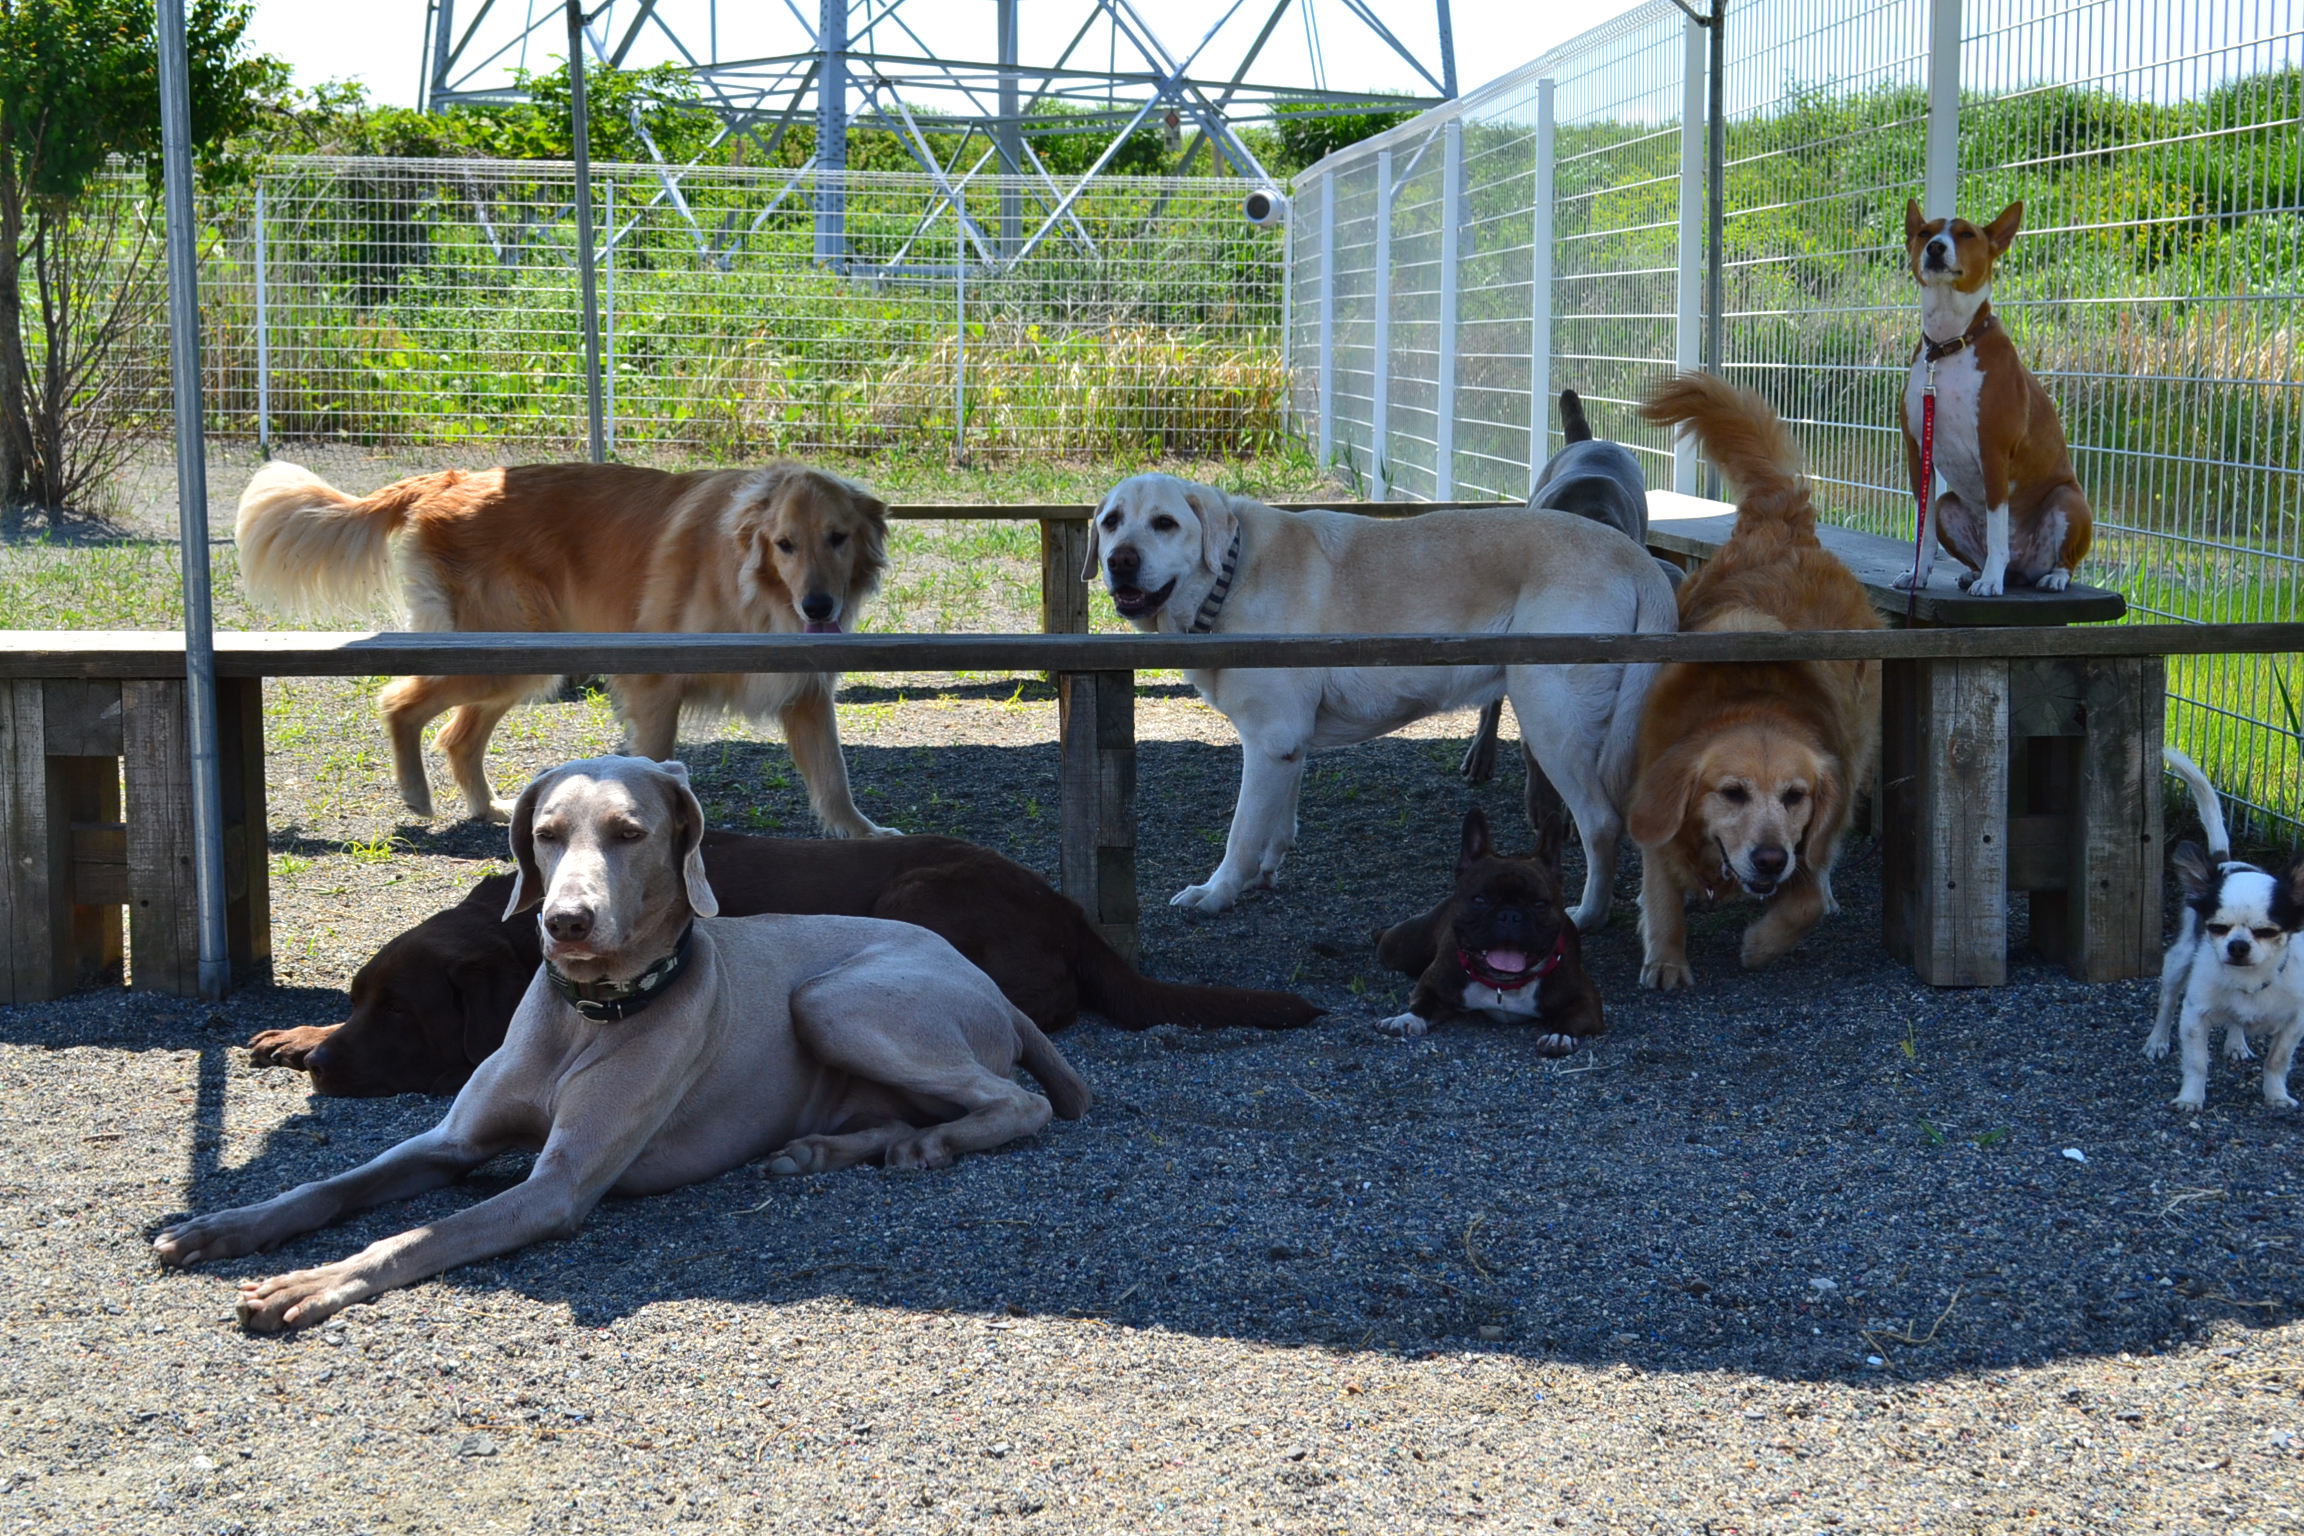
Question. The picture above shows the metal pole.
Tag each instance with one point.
(1940, 193)
(831, 161)
(1008, 135)
(1327, 363)
(1540, 296)
(263, 336)
(1444, 367)
(1716, 194)
(580, 125)
(1688, 337)
(608, 302)
(1287, 324)
(1380, 387)
(960, 329)
(192, 504)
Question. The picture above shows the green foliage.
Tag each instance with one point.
(1302, 135)
(80, 82)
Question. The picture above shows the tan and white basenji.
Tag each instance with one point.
(2005, 501)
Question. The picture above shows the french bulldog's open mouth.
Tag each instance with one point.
(1506, 965)
(1135, 602)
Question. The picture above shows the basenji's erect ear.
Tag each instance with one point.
(2002, 230)
(1913, 222)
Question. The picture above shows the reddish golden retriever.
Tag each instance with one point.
(586, 547)
(1748, 771)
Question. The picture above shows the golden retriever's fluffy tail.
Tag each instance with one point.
(1745, 438)
(307, 547)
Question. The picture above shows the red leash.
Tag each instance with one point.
(1927, 488)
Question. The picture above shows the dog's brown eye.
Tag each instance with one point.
(544, 835)
(786, 545)
(1795, 796)
(1163, 525)
(1735, 794)
(836, 539)
(1112, 522)
(2266, 934)
(2219, 929)
(630, 834)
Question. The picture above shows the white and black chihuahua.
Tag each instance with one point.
(2236, 960)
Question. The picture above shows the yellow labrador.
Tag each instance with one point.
(1182, 557)
(659, 1045)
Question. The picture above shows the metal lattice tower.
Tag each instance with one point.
(965, 72)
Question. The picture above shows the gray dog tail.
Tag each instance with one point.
(1068, 1092)
(1133, 1000)
(1573, 426)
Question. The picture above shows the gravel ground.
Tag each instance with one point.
(1795, 1252)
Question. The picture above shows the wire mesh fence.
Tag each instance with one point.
(2157, 289)
(742, 312)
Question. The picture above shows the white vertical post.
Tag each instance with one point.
(1688, 340)
(1540, 296)
(1327, 319)
(1380, 382)
(1287, 323)
(608, 333)
(263, 334)
(1940, 193)
(1451, 247)
(960, 329)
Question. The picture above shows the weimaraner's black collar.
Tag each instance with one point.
(606, 1002)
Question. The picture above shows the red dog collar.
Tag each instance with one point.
(1549, 964)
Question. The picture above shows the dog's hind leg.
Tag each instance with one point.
(1479, 764)
(464, 743)
(412, 703)
(2279, 1056)
(813, 734)
(2175, 971)
(1547, 812)
(1564, 715)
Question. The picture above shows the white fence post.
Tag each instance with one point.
(1380, 381)
(1540, 295)
(1688, 341)
(1451, 246)
(1327, 320)
(263, 336)
(960, 330)
(608, 339)
(1940, 193)
(1287, 324)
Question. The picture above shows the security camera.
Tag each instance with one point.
(1265, 207)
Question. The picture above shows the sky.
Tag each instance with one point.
(379, 42)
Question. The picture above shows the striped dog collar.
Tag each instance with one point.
(1213, 603)
(608, 1002)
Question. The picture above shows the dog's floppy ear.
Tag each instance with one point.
(1913, 222)
(2193, 870)
(1477, 844)
(872, 536)
(690, 811)
(527, 878)
(1829, 793)
(1660, 799)
(1088, 571)
(1218, 523)
(2002, 230)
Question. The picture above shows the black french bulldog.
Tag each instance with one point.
(1501, 946)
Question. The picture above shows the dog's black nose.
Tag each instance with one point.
(817, 606)
(568, 923)
(2237, 949)
(1124, 564)
(1768, 863)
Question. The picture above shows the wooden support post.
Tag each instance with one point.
(27, 882)
(247, 856)
(1063, 593)
(1097, 793)
(2113, 895)
(163, 916)
(1945, 874)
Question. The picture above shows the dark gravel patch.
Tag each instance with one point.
(1795, 1251)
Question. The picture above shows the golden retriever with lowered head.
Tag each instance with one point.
(584, 547)
(1748, 770)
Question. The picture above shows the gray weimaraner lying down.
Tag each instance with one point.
(660, 1045)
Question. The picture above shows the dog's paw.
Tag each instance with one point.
(928, 1149)
(299, 1299)
(2278, 1098)
(497, 811)
(1405, 1026)
(1556, 1045)
(1985, 584)
(2192, 1100)
(207, 1239)
(2236, 1047)
(1906, 580)
(1667, 975)
(2156, 1045)
(288, 1047)
(858, 826)
(2054, 581)
(1589, 919)
(1215, 896)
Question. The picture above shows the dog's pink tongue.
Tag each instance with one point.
(823, 626)
(1506, 960)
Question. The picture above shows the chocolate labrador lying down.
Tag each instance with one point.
(432, 1003)
(661, 1045)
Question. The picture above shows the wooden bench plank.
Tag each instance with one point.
(1696, 527)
